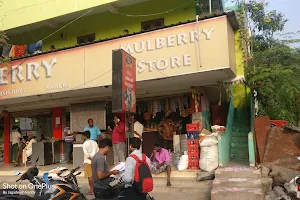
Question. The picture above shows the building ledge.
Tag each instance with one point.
(231, 16)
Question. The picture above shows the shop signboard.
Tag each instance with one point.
(184, 49)
(123, 82)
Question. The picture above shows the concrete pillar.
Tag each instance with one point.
(57, 123)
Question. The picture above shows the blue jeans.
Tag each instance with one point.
(69, 147)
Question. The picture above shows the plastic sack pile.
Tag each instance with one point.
(209, 153)
(183, 162)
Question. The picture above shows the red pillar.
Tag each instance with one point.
(57, 123)
(6, 138)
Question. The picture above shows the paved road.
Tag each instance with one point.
(10, 180)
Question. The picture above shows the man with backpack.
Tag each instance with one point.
(137, 177)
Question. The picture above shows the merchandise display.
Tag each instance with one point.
(193, 145)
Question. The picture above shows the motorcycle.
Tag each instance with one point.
(118, 189)
(52, 188)
(58, 174)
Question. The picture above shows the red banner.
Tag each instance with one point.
(123, 82)
(128, 83)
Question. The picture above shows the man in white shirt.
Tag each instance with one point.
(130, 164)
(15, 139)
(90, 148)
(138, 131)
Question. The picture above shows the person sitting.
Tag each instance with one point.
(52, 48)
(43, 138)
(161, 162)
(125, 32)
(27, 151)
(100, 172)
(130, 192)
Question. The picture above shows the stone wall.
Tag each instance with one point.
(281, 144)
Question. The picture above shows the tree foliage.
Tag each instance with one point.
(274, 67)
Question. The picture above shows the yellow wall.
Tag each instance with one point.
(239, 57)
(108, 24)
(240, 91)
(24, 12)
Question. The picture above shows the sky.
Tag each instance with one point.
(290, 8)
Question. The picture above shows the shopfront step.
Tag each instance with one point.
(244, 156)
(203, 190)
(241, 128)
(237, 182)
(234, 193)
(238, 151)
(238, 172)
(239, 139)
(178, 181)
(179, 174)
(239, 134)
(239, 145)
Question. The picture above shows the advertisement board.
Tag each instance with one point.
(124, 82)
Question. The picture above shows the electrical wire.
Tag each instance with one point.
(110, 71)
(128, 15)
(153, 14)
(67, 24)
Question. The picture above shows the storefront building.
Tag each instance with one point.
(173, 59)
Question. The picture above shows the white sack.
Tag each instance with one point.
(208, 141)
(209, 160)
(183, 163)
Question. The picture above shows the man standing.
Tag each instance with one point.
(69, 139)
(101, 173)
(161, 162)
(94, 130)
(138, 130)
(118, 140)
(90, 148)
(167, 130)
(15, 138)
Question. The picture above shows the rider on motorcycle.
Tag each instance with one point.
(101, 174)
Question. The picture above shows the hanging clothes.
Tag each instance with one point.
(31, 48)
(167, 106)
(155, 108)
(39, 47)
(185, 102)
(180, 103)
(173, 104)
(35, 47)
(6, 50)
(18, 51)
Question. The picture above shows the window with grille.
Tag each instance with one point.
(86, 38)
(152, 24)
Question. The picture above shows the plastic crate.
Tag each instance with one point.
(193, 165)
(193, 144)
(193, 151)
(193, 127)
(192, 135)
(193, 158)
